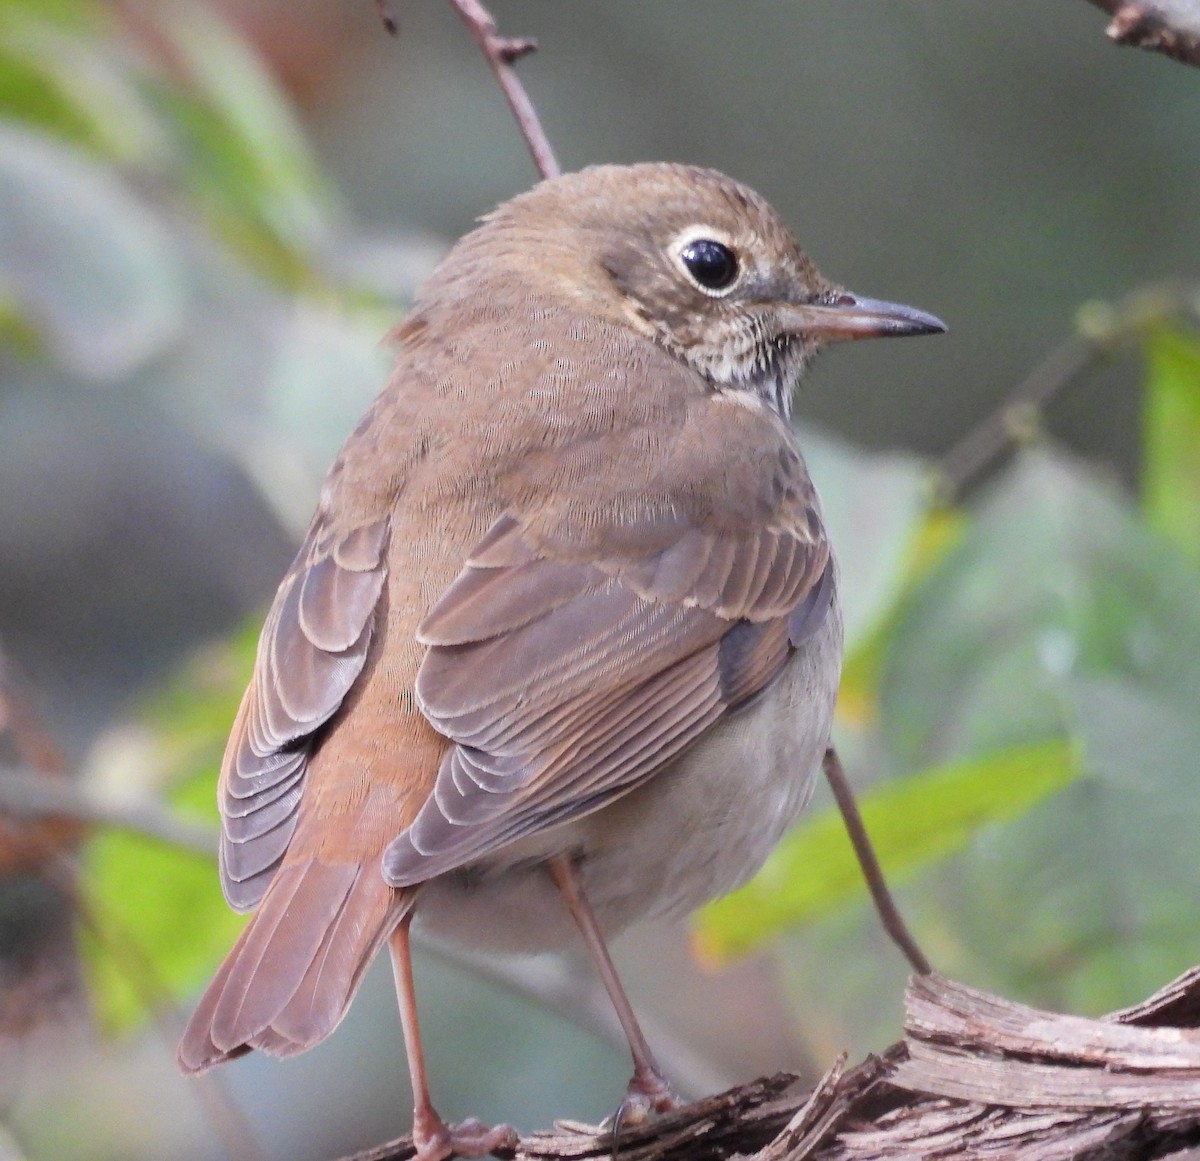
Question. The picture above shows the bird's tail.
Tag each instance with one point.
(292, 973)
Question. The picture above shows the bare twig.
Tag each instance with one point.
(33, 742)
(46, 792)
(1102, 330)
(387, 17)
(230, 1123)
(553, 985)
(25, 841)
(889, 913)
(1017, 420)
(25, 792)
(501, 52)
(1171, 27)
(39, 971)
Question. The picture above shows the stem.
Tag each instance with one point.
(1017, 418)
(889, 913)
(28, 793)
(501, 52)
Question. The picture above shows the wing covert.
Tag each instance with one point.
(564, 683)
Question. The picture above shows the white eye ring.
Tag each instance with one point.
(709, 260)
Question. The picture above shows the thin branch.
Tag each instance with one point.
(1017, 420)
(26, 792)
(212, 1093)
(387, 17)
(1101, 331)
(1171, 27)
(47, 792)
(889, 913)
(555, 986)
(35, 746)
(501, 52)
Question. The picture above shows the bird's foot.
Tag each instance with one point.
(648, 1094)
(437, 1141)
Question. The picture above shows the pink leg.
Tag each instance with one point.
(648, 1090)
(433, 1138)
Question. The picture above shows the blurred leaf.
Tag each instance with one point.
(164, 920)
(1059, 611)
(939, 530)
(302, 418)
(874, 505)
(189, 719)
(1171, 437)
(912, 821)
(62, 77)
(17, 333)
(68, 13)
(1053, 577)
(91, 269)
(244, 155)
(1094, 895)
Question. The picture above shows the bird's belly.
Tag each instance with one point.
(695, 830)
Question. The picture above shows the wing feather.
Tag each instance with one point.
(564, 683)
(312, 650)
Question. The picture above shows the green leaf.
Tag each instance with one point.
(93, 271)
(62, 77)
(1060, 611)
(161, 920)
(1054, 576)
(17, 333)
(874, 505)
(244, 156)
(912, 822)
(1171, 437)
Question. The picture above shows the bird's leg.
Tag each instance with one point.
(648, 1090)
(433, 1139)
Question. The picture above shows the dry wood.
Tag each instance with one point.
(975, 1077)
(1171, 27)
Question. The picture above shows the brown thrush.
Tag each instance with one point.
(565, 626)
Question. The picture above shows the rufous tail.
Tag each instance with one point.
(292, 973)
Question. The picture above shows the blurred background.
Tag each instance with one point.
(211, 213)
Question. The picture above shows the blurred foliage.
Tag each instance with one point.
(1171, 488)
(158, 912)
(913, 822)
(1023, 671)
(1045, 665)
(165, 231)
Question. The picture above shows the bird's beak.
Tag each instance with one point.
(850, 316)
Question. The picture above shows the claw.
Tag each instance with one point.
(471, 1138)
(648, 1094)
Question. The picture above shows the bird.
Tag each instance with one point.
(561, 647)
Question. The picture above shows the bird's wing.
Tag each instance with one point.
(565, 676)
(311, 651)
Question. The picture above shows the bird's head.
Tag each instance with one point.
(696, 261)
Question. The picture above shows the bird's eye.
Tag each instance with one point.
(713, 265)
